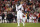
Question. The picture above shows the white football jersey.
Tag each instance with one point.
(18, 7)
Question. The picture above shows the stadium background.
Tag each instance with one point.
(8, 10)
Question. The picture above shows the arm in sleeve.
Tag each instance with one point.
(16, 8)
(22, 8)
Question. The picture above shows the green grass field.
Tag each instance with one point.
(21, 25)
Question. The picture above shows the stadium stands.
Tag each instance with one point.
(30, 7)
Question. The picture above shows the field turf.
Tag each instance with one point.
(21, 25)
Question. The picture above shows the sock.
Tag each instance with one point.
(18, 21)
(23, 24)
(18, 24)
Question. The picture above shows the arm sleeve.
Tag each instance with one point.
(16, 8)
(22, 8)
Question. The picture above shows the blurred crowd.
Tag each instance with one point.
(31, 8)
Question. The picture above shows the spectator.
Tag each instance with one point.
(0, 18)
(39, 17)
(10, 17)
(3, 15)
(27, 17)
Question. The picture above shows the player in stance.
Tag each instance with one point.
(19, 10)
